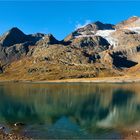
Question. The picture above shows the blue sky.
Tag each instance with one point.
(62, 17)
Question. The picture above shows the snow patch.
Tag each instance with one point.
(135, 29)
(107, 35)
(84, 35)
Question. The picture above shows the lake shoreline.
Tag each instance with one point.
(129, 135)
(12, 136)
(121, 79)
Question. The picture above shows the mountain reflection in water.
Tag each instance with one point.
(70, 110)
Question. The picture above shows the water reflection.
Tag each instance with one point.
(86, 109)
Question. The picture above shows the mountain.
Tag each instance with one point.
(129, 23)
(13, 36)
(90, 29)
(16, 36)
(48, 40)
(95, 50)
(14, 44)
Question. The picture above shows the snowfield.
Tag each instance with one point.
(106, 34)
(135, 29)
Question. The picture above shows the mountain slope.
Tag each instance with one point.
(96, 50)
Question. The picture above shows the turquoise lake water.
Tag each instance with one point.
(74, 110)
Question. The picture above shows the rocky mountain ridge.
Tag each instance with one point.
(95, 50)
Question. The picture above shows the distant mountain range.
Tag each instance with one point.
(95, 50)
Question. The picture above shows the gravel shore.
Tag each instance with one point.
(130, 135)
(12, 136)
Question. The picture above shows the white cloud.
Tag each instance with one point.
(79, 25)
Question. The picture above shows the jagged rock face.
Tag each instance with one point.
(120, 60)
(60, 54)
(15, 52)
(126, 39)
(96, 43)
(37, 35)
(13, 36)
(47, 40)
(83, 50)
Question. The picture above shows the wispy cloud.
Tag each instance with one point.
(79, 25)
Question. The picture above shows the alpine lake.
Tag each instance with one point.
(70, 110)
